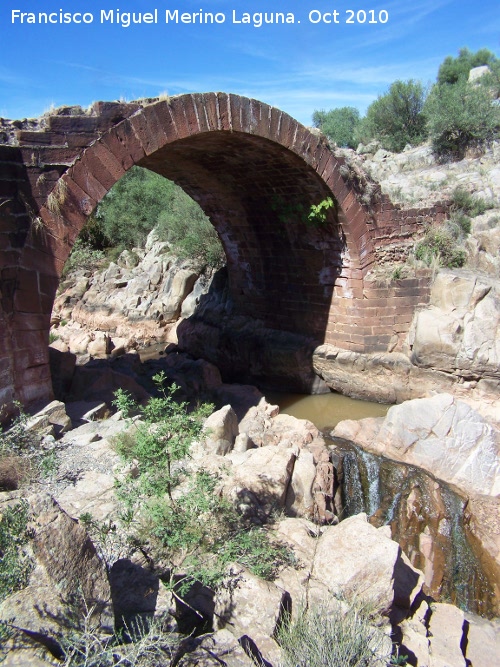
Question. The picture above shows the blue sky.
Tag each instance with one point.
(298, 67)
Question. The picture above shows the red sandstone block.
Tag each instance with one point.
(119, 150)
(50, 155)
(147, 137)
(27, 137)
(35, 373)
(84, 178)
(32, 339)
(108, 160)
(287, 131)
(168, 120)
(86, 124)
(36, 259)
(201, 111)
(125, 134)
(211, 103)
(30, 322)
(240, 113)
(98, 170)
(224, 111)
(261, 118)
(275, 123)
(300, 141)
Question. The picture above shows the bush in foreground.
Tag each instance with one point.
(342, 636)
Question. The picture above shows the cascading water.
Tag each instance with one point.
(426, 518)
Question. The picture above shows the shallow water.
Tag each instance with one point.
(326, 410)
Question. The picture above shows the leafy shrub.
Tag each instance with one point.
(469, 204)
(339, 125)
(463, 222)
(190, 232)
(459, 117)
(151, 646)
(142, 200)
(340, 637)
(83, 256)
(452, 70)
(440, 244)
(15, 565)
(198, 531)
(395, 118)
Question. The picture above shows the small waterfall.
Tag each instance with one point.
(426, 518)
(361, 482)
(371, 487)
(352, 490)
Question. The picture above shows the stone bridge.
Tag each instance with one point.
(295, 262)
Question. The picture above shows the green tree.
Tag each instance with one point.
(460, 116)
(339, 125)
(453, 70)
(140, 201)
(131, 208)
(396, 118)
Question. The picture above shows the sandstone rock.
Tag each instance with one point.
(100, 345)
(261, 474)
(68, 575)
(182, 284)
(446, 627)
(243, 442)
(300, 498)
(460, 331)
(414, 641)
(251, 608)
(442, 435)
(221, 429)
(92, 494)
(57, 416)
(216, 649)
(482, 641)
(139, 596)
(377, 570)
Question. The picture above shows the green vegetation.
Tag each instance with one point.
(395, 118)
(460, 116)
(21, 459)
(85, 646)
(456, 115)
(339, 125)
(465, 203)
(15, 565)
(452, 70)
(440, 245)
(140, 201)
(338, 636)
(183, 516)
(83, 256)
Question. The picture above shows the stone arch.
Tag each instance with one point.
(254, 170)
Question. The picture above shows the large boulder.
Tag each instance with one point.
(68, 580)
(441, 434)
(460, 330)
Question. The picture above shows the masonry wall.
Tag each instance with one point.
(237, 157)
